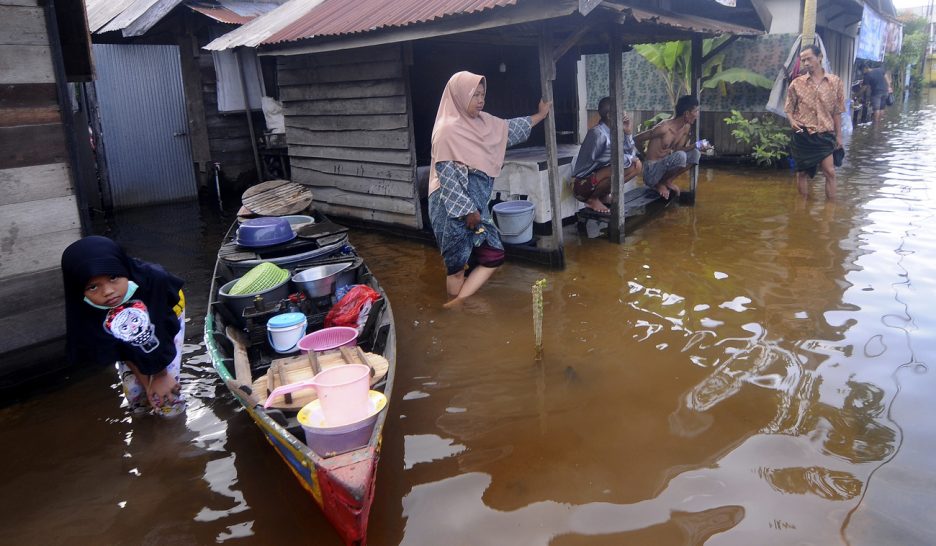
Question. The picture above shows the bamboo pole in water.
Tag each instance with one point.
(538, 316)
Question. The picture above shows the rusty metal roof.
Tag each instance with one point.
(689, 23)
(299, 19)
(232, 12)
(333, 18)
(305, 19)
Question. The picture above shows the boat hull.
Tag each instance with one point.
(342, 485)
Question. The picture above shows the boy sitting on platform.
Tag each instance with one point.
(592, 166)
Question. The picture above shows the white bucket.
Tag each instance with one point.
(284, 339)
(515, 221)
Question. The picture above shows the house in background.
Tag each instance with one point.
(43, 47)
(838, 23)
(167, 112)
(361, 89)
(927, 10)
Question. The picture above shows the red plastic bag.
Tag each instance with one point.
(352, 309)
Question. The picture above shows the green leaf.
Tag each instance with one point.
(671, 52)
(653, 53)
(738, 75)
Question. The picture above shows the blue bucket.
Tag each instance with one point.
(515, 221)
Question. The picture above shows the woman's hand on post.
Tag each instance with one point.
(543, 111)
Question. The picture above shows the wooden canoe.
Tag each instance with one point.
(342, 484)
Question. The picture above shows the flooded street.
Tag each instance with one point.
(755, 369)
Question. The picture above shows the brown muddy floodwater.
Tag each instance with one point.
(752, 370)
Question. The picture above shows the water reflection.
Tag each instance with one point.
(751, 370)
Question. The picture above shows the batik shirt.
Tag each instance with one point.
(815, 106)
(453, 176)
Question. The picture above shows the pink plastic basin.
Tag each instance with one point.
(328, 338)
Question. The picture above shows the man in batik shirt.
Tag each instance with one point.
(814, 105)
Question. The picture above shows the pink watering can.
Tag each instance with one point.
(342, 391)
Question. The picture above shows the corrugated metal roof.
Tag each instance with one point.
(333, 18)
(690, 23)
(299, 19)
(110, 15)
(231, 11)
(258, 30)
(135, 11)
(101, 12)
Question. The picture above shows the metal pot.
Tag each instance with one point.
(237, 304)
(319, 281)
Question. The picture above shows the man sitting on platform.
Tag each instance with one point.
(670, 151)
(592, 167)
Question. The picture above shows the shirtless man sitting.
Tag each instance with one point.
(670, 151)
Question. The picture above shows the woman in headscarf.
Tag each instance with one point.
(122, 310)
(468, 147)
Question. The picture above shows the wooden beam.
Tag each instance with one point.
(585, 6)
(238, 61)
(762, 13)
(570, 42)
(547, 75)
(721, 47)
(696, 67)
(616, 84)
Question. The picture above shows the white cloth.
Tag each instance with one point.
(230, 92)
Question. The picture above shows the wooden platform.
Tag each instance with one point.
(640, 204)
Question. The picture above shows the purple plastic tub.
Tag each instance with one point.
(266, 231)
(328, 441)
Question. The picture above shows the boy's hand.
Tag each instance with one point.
(162, 389)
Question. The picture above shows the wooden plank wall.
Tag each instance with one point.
(38, 211)
(228, 134)
(348, 129)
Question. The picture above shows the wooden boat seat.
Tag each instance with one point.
(298, 368)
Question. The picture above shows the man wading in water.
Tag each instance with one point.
(814, 105)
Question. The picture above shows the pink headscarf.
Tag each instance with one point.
(477, 142)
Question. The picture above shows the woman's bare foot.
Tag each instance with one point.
(662, 190)
(673, 188)
(454, 303)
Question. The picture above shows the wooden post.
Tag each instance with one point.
(194, 100)
(547, 75)
(696, 83)
(537, 291)
(250, 125)
(809, 23)
(616, 81)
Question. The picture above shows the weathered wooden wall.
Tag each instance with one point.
(349, 131)
(38, 211)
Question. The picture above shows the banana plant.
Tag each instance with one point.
(673, 61)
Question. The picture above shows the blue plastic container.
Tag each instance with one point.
(515, 221)
(285, 330)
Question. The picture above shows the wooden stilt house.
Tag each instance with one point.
(43, 47)
(361, 87)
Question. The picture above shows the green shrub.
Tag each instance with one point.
(769, 140)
